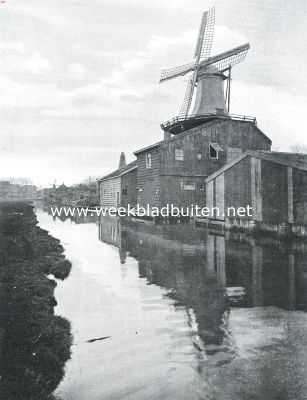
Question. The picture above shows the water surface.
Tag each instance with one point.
(184, 313)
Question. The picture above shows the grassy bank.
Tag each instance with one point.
(34, 343)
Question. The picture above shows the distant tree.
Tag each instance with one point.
(299, 148)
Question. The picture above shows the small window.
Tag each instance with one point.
(125, 190)
(214, 134)
(148, 160)
(213, 153)
(214, 150)
(188, 186)
(201, 187)
(199, 156)
(235, 139)
(233, 153)
(179, 154)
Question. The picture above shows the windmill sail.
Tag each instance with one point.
(205, 36)
(171, 73)
(203, 47)
(184, 110)
(210, 95)
(227, 59)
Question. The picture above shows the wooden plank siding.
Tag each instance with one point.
(232, 135)
(168, 180)
(119, 190)
(220, 197)
(209, 194)
(148, 179)
(238, 185)
(128, 188)
(177, 190)
(299, 196)
(257, 183)
(274, 190)
(110, 192)
(256, 187)
(290, 195)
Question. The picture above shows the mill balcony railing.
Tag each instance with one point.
(183, 118)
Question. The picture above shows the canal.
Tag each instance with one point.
(177, 312)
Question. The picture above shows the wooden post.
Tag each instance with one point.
(220, 197)
(210, 261)
(220, 260)
(228, 90)
(290, 195)
(292, 292)
(257, 264)
(209, 194)
(256, 195)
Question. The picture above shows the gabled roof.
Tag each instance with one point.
(286, 157)
(152, 146)
(175, 125)
(206, 124)
(120, 172)
(293, 160)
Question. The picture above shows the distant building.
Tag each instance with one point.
(174, 170)
(83, 194)
(119, 188)
(273, 184)
(28, 191)
(11, 191)
(4, 190)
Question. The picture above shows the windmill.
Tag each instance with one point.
(208, 73)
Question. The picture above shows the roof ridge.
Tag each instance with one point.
(119, 171)
(260, 154)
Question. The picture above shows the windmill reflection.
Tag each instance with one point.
(211, 273)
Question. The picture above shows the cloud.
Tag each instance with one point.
(280, 113)
(135, 75)
(17, 58)
(50, 14)
(226, 38)
(130, 90)
(13, 46)
(23, 95)
(77, 71)
(36, 64)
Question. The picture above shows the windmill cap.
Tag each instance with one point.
(210, 71)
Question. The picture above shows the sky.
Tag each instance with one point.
(79, 79)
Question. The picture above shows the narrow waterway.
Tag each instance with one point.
(180, 313)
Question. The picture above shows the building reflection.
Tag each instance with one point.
(211, 273)
(176, 258)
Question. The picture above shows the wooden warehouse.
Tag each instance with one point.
(174, 170)
(118, 189)
(273, 184)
